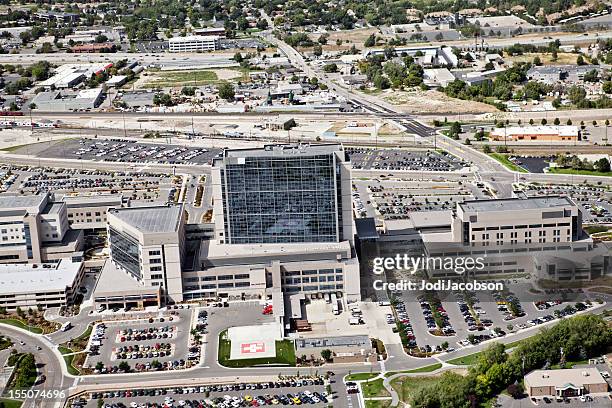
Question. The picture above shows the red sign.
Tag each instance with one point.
(252, 348)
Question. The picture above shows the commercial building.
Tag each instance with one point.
(34, 229)
(148, 244)
(208, 31)
(345, 349)
(283, 194)
(289, 232)
(70, 75)
(542, 236)
(571, 382)
(60, 101)
(40, 285)
(194, 43)
(429, 55)
(537, 133)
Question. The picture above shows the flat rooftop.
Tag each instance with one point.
(115, 282)
(13, 205)
(513, 204)
(285, 150)
(150, 219)
(343, 341)
(93, 200)
(27, 278)
(560, 378)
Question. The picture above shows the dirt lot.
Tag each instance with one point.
(563, 58)
(357, 37)
(417, 101)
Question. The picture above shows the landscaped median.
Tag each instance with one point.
(504, 159)
(578, 172)
(22, 325)
(285, 355)
(74, 352)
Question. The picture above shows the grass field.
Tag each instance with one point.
(285, 354)
(21, 325)
(465, 360)
(377, 403)
(361, 376)
(182, 78)
(503, 159)
(405, 386)
(68, 359)
(9, 403)
(558, 170)
(374, 388)
(426, 369)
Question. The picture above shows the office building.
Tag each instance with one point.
(572, 382)
(148, 244)
(294, 238)
(542, 236)
(283, 194)
(34, 229)
(194, 43)
(29, 286)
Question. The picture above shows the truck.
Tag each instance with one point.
(334, 303)
(66, 326)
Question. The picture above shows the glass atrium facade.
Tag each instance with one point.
(286, 199)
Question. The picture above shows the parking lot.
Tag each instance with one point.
(156, 343)
(135, 186)
(467, 318)
(397, 198)
(595, 201)
(129, 151)
(402, 159)
(301, 391)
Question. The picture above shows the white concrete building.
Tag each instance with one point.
(40, 285)
(194, 43)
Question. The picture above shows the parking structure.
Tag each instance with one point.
(297, 391)
(129, 151)
(403, 159)
(156, 343)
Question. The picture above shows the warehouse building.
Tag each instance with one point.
(537, 133)
(194, 43)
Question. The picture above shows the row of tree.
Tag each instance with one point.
(572, 339)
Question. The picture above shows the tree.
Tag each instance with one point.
(370, 41)
(226, 91)
(544, 121)
(188, 91)
(602, 165)
(238, 57)
(444, 345)
(594, 123)
(569, 122)
(515, 390)
(486, 149)
(317, 50)
(326, 354)
(607, 87)
(101, 38)
(576, 94)
(580, 60)
(557, 122)
(162, 99)
(330, 68)
(537, 61)
(99, 366)
(124, 366)
(531, 122)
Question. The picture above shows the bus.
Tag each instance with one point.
(334, 303)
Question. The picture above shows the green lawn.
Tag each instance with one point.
(569, 364)
(465, 360)
(9, 403)
(361, 376)
(503, 159)
(557, 170)
(68, 359)
(377, 403)
(285, 354)
(182, 78)
(21, 325)
(426, 369)
(374, 388)
(405, 386)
